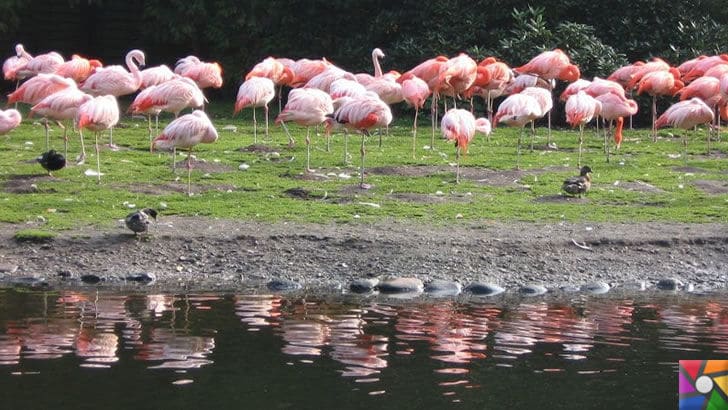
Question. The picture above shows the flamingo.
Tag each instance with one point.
(12, 64)
(500, 77)
(460, 125)
(324, 79)
(686, 115)
(517, 110)
(365, 78)
(615, 107)
(456, 76)
(305, 69)
(708, 90)
(702, 65)
(363, 113)
(205, 74)
(429, 72)
(276, 70)
(186, 132)
(40, 64)
(551, 65)
(98, 114)
(580, 109)
(156, 75)
(149, 110)
(307, 107)
(659, 83)
(256, 92)
(9, 120)
(574, 88)
(78, 68)
(415, 91)
(344, 87)
(623, 76)
(656, 64)
(60, 106)
(36, 89)
(389, 91)
(545, 102)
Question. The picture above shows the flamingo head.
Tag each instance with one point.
(570, 73)
(487, 61)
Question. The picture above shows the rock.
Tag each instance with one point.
(570, 288)
(282, 285)
(8, 268)
(638, 285)
(443, 288)
(363, 285)
(143, 277)
(401, 285)
(669, 284)
(65, 274)
(532, 290)
(90, 279)
(484, 289)
(596, 288)
(30, 281)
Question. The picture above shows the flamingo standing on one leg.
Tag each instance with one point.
(205, 74)
(307, 107)
(415, 91)
(60, 106)
(185, 132)
(116, 80)
(40, 64)
(98, 114)
(517, 110)
(708, 90)
(363, 113)
(545, 102)
(580, 109)
(78, 68)
(256, 92)
(9, 120)
(686, 115)
(657, 83)
(615, 107)
(277, 71)
(460, 125)
(429, 72)
(156, 75)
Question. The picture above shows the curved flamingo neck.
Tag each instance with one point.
(133, 59)
(375, 61)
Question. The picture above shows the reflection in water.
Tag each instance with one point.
(362, 339)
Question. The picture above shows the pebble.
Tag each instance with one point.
(363, 285)
(443, 288)
(532, 290)
(90, 278)
(596, 288)
(280, 285)
(401, 285)
(8, 268)
(30, 281)
(484, 289)
(143, 277)
(669, 284)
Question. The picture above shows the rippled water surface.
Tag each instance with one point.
(86, 349)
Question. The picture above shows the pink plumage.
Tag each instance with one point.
(415, 91)
(116, 80)
(601, 86)
(187, 131)
(62, 105)
(307, 107)
(574, 88)
(543, 98)
(615, 106)
(581, 108)
(344, 87)
(517, 110)
(40, 64)
(456, 75)
(78, 68)
(156, 75)
(255, 92)
(99, 113)
(9, 120)
(460, 126)
(305, 69)
(171, 96)
(705, 88)
(39, 87)
(551, 65)
(388, 90)
(203, 73)
(686, 114)
(623, 75)
(14, 63)
(273, 69)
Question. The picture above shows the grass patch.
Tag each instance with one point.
(644, 181)
(34, 235)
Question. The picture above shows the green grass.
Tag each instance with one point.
(34, 235)
(135, 176)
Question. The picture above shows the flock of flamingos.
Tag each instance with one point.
(84, 91)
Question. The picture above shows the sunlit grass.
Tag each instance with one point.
(135, 177)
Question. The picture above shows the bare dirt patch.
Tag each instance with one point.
(25, 184)
(639, 186)
(712, 187)
(207, 167)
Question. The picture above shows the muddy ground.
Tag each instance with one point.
(212, 254)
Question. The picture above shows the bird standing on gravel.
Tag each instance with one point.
(139, 221)
(580, 184)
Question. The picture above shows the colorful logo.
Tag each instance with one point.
(703, 384)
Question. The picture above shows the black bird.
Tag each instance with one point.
(578, 185)
(139, 221)
(52, 161)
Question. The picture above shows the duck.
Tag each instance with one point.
(51, 161)
(578, 185)
(138, 221)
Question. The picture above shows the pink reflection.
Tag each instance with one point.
(258, 311)
(176, 351)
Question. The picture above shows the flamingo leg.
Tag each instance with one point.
(533, 133)
(65, 138)
(685, 145)
(255, 128)
(457, 167)
(149, 126)
(266, 121)
(548, 138)
(414, 134)
(363, 152)
(606, 140)
(654, 118)
(346, 147)
(82, 156)
(581, 142)
(308, 149)
(98, 158)
(189, 172)
(518, 149)
(45, 125)
(174, 160)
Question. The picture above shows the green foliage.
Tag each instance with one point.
(34, 235)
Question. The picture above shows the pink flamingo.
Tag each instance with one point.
(615, 107)
(256, 92)
(156, 75)
(623, 76)
(307, 107)
(708, 90)
(656, 64)
(98, 114)
(703, 65)
(659, 83)
(78, 68)
(545, 101)
(460, 125)
(40, 64)
(305, 69)
(9, 120)
(456, 76)
(36, 89)
(501, 76)
(344, 87)
(363, 113)
(415, 91)
(205, 74)
(116, 80)
(429, 72)
(13, 63)
(276, 70)
(574, 88)
(365, 78)
(324, 79)
(551, 65)
(686, 115)
(61, 106)
(517, 110)
(580, 109)
(185, 132)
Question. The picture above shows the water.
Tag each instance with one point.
(85, 349)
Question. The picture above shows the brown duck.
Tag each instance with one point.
(578, 185)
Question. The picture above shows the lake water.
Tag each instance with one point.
(86, 349)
